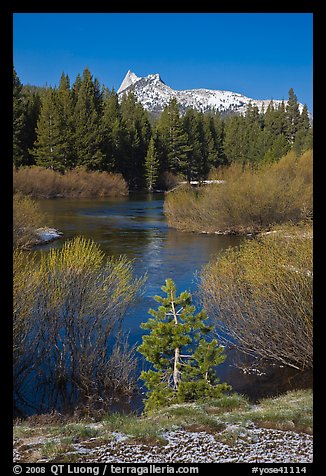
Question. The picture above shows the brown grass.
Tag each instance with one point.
(39, 182)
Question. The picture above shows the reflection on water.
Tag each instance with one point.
(135, 226)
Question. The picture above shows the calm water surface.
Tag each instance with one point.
(135, 226)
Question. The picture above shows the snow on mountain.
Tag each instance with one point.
(154, 95)
(129, 80)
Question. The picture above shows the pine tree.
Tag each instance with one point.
(206, 145)
(280, 146)
(252, 114)
(308, 143)
(136, 135)
(270, 125)
(151, 165)
(65, 106)
(280, 121)
(302, 139)
(292, 117)
(50, 147)
(276, 143)
(173, 138)
(304, 122)
(214, 134)
(196, 156)
(202, 144)
(111, 131)
(180, 351)
(235, 139)
(87, 122)
(252, 140)
(75, 89)
(18, 120)
(162, 144)
(32, 107)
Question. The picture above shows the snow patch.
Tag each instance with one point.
(44, 235)
(252, 445)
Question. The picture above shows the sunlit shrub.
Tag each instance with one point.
(69, 304)
(248, 200)
(27, 217)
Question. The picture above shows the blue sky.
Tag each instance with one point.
(260, 55)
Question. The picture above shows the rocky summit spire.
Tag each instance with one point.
(129, 79)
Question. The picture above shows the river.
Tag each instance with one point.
(135, 226)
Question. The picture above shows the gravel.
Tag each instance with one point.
(233, 445)
(251, 446)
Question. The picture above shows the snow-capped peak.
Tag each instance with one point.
(154, 95)
(129, 80)
(154, 77)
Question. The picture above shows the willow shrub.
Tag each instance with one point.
(69, 304)
(39, 182)
(249, 200)
(27, 217)
(260, 296)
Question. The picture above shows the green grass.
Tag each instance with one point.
(138, 427)
(78, 430)
(227, 403)
(292, 411)
(52, 448)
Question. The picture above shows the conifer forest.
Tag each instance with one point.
(85, 125)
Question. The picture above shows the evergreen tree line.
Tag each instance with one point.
(85, 125)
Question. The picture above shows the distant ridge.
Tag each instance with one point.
(154, 95)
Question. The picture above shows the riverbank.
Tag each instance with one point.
(247, 200)
(228, 429)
